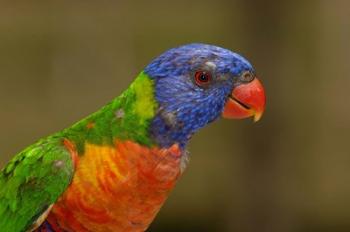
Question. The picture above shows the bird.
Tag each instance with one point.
(114, 169)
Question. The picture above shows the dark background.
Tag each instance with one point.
(62, 60)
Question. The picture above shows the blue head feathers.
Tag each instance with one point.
(192, 83)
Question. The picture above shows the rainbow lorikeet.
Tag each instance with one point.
(113, 170)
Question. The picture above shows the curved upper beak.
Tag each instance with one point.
(246, 100)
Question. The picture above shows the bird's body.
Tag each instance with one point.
(113, 170)
(120, 190)
(119, 184)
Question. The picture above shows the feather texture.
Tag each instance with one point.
(33, 181)
(119, 188)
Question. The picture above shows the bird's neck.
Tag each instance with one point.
(135, 115)
(127, 117)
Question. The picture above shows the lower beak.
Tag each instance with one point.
(246, 100)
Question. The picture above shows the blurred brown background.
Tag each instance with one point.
(62, 60)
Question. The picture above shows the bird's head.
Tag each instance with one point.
(195, 84)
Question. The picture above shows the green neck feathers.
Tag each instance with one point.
(127, 117)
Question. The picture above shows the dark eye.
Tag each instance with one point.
(202, 78)
(247, 76)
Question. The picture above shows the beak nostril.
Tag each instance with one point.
(247, 77)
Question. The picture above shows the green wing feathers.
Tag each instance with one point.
(32, 181)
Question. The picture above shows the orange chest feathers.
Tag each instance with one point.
(117, 188)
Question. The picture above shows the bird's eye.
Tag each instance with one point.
(202, 78)
(247, 76)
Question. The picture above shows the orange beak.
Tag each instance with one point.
(246, 100)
